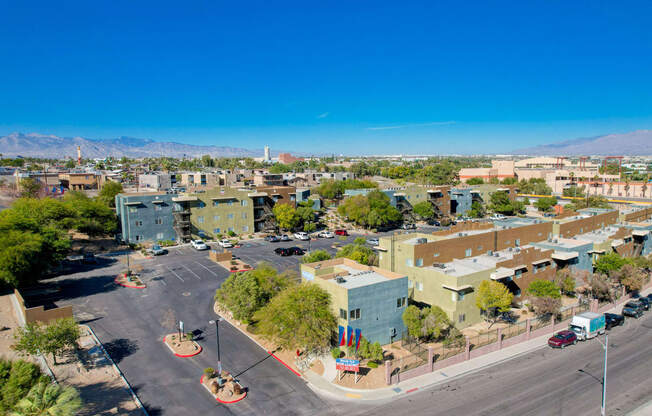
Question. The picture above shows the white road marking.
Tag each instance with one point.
(209, 270)
(186, 267)
(173, 272)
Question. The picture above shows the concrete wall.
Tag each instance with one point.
(573, 227)
(39, 313)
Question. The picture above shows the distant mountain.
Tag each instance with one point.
(636, 143)
(39, 145)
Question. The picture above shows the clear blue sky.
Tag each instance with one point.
(354, 77)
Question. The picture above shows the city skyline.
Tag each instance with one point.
(336, 79)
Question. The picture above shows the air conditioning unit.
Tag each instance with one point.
(422, 240)
(490, 253)
(392, 332)
(340, 279)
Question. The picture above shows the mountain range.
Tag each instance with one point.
(636, 143)
(55, 147)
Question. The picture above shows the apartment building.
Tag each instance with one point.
(363, 297)
(500, 169)
(157, 181)
(268, 179)
(220, 210)
(146, 216)
(194, 180)
(571, 253)
(587, 220)
(78, 181)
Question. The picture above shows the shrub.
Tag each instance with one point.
(336, 352)
(372, 364)
(209, 371)
(189, 336)
(232, 233)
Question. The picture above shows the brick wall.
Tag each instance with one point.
(586, 225)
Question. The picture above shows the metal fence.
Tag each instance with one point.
(515, 330)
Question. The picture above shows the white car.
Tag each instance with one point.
(302, 236)
(225, 243)
(326, 234)
(498, 217)
(199, 245)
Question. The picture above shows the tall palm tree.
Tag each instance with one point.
(48, 400)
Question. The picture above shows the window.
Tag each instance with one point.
(216, 203)
(410, 284)
(243, 203)
(420, 286)
(517, 242)
(518, 273)
(159, 236)
(158, 221)
(230, 203)
(231, 229)
(400, 302)
(229, 216)
(435, 255)
(460, 295)
(342, 314)
(581, 230)
(408, 262)
(479, 248)
(534, 269)
(216, 217)
(138, 223)
(354, 314)
(419, 262)
(507, 242)
(216, 231)
(517, 292)
(468, 252)
(461, 317)
(158, 207)
(201, 204)
(200, 219)
(133, 210)
(292, 198)
(244, 215)
(245, 228)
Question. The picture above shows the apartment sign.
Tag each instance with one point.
(345, 364)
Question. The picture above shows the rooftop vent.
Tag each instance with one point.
(340, 279)
(422, 240)
(490, 253)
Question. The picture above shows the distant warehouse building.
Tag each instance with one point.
(145, 217)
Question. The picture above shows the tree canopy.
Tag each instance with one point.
(286, 216)
(48, 399)
(426, 323)
(545, 204)
(534, 186)
(493, 297)
(543, 288)
(108, 192)
(372, 210)
(16, 379)
(610, 262)
(475, 181)
(501, 204)
(359, 252)
(53, 338)
(315, 255)
(424, 210)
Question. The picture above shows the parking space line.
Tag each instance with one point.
(174, 273)
(187, 268)
(209, 270)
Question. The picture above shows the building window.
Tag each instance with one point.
(581, 230)
(230, 203)
(507, 242)
(133, 210)
(243, 203)
(229, 216)
(517, 292)
(216, 203)
(201, 204)
(400, 302)
(292, 198)
(408, 262)
(245, 228)
(244, 215)
(517, 242)
(410, 284)
(200, 219)
(518, 273)
(138, 223)
(354, 314)
(216, 217)
(435, 255)
(461, 317)
(479, 248)
(231, 229)
(342, 314)
(216, 231)
(419, 262)
(468, 252)
(420, 286)
(158, 221)
(159, 236)
(158, 207)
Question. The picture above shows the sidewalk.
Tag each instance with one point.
(644, 410)
(323, 386)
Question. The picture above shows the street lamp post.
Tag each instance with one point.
(605, 346)
(217, 337)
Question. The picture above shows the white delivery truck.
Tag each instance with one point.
(587, 325)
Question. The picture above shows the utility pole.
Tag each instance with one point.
(605, 346)
(217, 338)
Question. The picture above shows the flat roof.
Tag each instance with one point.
(565, 243)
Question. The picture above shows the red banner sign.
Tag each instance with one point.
(344, 364)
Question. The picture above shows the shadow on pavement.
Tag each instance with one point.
(120, 348)
(106, 399)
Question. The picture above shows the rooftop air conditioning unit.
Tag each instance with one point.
(496, 255)
(555, 241)
(422, 240)
(490, 253)
(340, 279)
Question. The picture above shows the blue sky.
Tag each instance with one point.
(353, 77)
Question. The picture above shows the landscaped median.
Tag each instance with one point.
(183, 348)
(224, 389)
(131, 281)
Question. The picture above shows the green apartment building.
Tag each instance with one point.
(220, 210)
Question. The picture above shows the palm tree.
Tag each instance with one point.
(48, 400)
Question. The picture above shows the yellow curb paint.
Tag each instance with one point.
(353, 396)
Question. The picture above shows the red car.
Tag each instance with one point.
(341, 232)
(562, 339)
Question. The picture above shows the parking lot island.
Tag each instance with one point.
(183, 348)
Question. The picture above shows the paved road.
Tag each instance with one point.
(546, 382)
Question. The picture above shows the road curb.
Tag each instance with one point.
(281, 361)
(201, 381)
(128, 286)
(183, 355)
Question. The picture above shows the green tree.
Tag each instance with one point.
(108, 192)
(475, 181)
(358, 252)
(30, 188)
(54, 338)
(477, 210)
(534, 186)
(426, 323)
(424, 209)
(573, 191)
(70, 164)
(631, 277)
(509, 181)
(493, 297)
(545, 204)
(372, 210)
(315, 255)
(46, 399)
(565, 281)
(501, 203)
(526, 201)
(286, 216)
(298, 317)
(93, 217)
(412, 320)
(609, 262)
(246, 292)
(543, 288)
(16, 379)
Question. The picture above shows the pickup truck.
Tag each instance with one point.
(587, 325)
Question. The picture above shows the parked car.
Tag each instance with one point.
(632, 312)
(649, 297)
(302, 236)
(285, 237)
(199, 245)
(435, 223)
(272, 239)
(297, 251)
(89, 258)
(409, 226)
(372, 241)
(636, 305)
(326, 234)
(645, 302)
(562, 338)
(612, 319)
(497, 217)
(587, 325)
(157, 250)
(341, 232)
(225, 243)
(282, 251)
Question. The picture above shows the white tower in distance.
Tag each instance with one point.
(267, 156)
